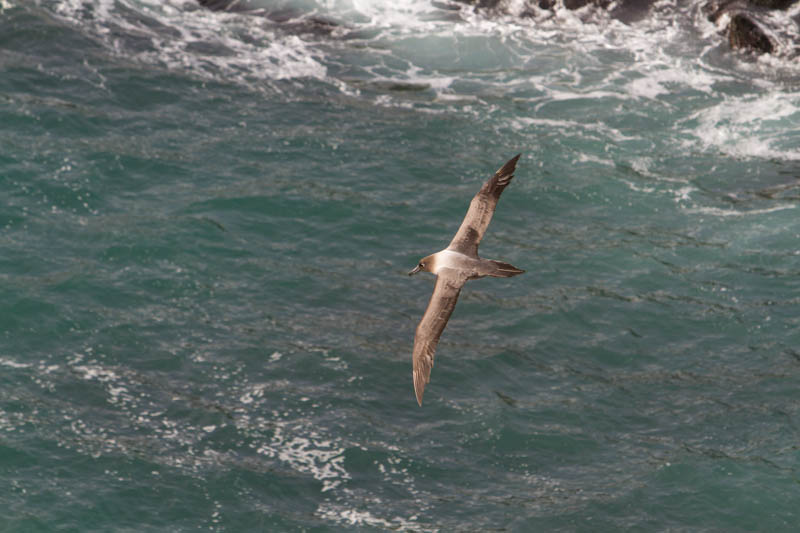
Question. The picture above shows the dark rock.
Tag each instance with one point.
(772, 4)
(499, 5)
(631, 10)
(624, 10)
(294, 22)
(744, 33)
(482, 4)
(577, 4)
(715, 8)
(752, 28)
(224, 5)
(291, 20)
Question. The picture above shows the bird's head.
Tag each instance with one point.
(426, 264)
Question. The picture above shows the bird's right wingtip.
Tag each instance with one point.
(509, 167)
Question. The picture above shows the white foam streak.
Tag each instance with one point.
(715, 211)
(206, 43)
(604, 131)
(309, 454)
(663, 79)
(764, 126)
(5, 361)
(352, 517)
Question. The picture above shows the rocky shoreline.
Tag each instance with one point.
(751, 26)
(748, 25)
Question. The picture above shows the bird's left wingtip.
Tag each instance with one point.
(419, 388)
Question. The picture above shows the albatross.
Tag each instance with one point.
(453, 267)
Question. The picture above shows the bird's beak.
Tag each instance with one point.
(416, 269)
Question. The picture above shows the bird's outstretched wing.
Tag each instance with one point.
(443, 301)
(481, 209)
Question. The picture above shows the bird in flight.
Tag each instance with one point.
(453, 267)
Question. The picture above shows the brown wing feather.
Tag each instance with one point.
(481, 209)
(443, 301)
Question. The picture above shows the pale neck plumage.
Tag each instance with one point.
(448, 259)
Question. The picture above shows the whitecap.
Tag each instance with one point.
(308, 453)
(761, 125)
(5, 361)
(718, 212)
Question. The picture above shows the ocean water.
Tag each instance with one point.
(205, 228)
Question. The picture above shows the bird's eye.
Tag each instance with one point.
(421, 265)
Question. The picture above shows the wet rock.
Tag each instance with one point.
(716, 8)
(289, 19)
(577, 4)
(743, 33)
(225, 5)
(624, 10)
(488, 6)
(483, 4)
(748, 20)
(631, 10)
(500, 5)
(772, 4)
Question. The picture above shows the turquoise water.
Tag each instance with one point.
(206, 225)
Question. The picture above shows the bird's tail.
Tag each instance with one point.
(504, 270)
